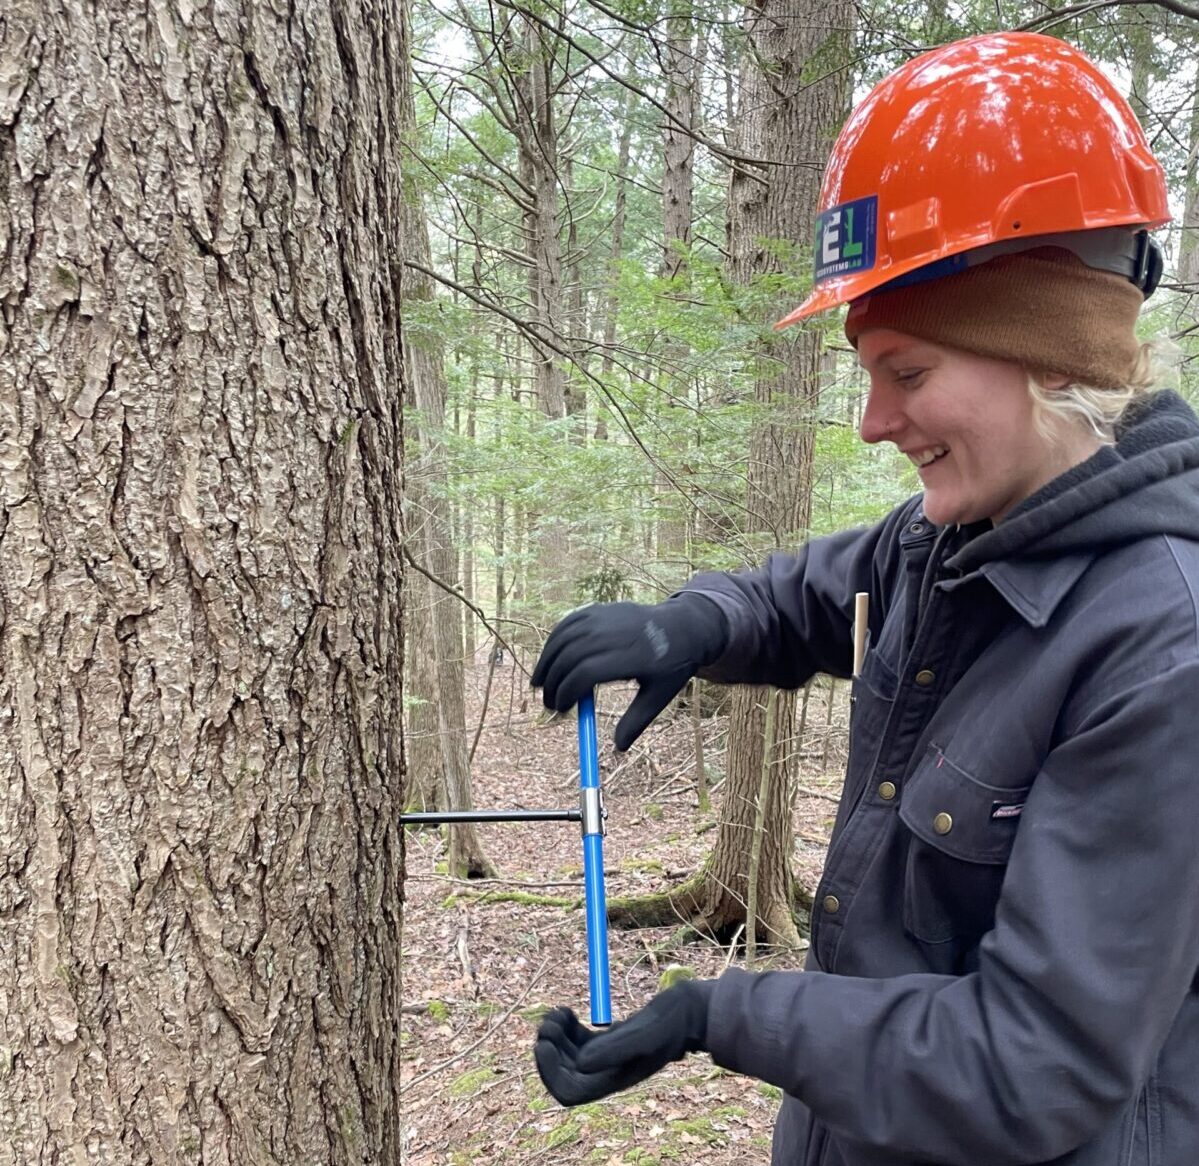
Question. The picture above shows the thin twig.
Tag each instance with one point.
(808, 792)
(728, 959)
(471, 1048)
(1040, 23)
(495, 651)
(457, 594)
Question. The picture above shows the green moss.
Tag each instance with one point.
(347, 1123)
(642, 866)
(654, 811)
(471, 1081)
(702, 1128)
(730, 1111)
(674, 974)
(566, 1134)
(439, 1011)
(773, 1092)
(523, 898)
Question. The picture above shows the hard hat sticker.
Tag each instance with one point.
(845, 238)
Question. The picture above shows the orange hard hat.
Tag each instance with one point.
(989, 142)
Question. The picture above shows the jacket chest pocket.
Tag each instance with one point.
(962, 831)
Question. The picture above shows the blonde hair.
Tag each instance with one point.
(1100, 410)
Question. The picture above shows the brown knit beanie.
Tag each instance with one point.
(1044, 309)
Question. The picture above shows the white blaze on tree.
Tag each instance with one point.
(200, 640)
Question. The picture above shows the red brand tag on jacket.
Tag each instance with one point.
(1006, 810)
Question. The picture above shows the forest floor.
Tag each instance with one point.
(483, 960)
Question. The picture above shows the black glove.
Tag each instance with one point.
(578, 1064)
(661, 646)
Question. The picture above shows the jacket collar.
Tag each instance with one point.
(1033, 588)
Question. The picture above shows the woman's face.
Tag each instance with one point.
(966, 422)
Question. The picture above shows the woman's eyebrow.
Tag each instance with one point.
(886, 354)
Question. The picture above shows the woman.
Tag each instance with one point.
(1005, 942)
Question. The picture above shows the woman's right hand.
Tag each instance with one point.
(661, 646)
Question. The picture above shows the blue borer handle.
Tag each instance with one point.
(593, 865)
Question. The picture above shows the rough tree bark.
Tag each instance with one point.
(800, 60)
(537, 133)
(678, 144)
(616, 250)
(200, 637)
(682, 77)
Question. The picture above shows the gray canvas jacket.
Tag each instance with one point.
(1005, 943)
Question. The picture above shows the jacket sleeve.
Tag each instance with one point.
(793, 617)
(1094, 948)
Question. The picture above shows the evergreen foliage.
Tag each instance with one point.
(660, 371)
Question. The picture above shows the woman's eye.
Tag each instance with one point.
(909, 376)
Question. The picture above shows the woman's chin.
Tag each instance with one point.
(945, 510)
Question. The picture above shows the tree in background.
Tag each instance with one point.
(436, 686)
(200, 636)
(794, 92)
(795, 95)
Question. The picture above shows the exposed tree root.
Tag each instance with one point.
(706, 910)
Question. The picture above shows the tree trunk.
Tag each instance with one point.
(789, 119)
(536, 130)
(422, 725)
(200, 637)
(759, 830)
(467, 518)
(576, 313)
(678, 145)
(425, 366)
(1140, 44)
(1188, 248)
(678, 197)
(616, 250)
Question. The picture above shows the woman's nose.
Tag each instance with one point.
(880, 418)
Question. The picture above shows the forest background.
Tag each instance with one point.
(617, 200)
(344, 346)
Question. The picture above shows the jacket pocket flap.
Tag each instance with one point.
(877, 672)
(954, 812)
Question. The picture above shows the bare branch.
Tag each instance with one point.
(1062, 14)
(457, 594)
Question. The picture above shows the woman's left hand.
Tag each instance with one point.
(579, 1064)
